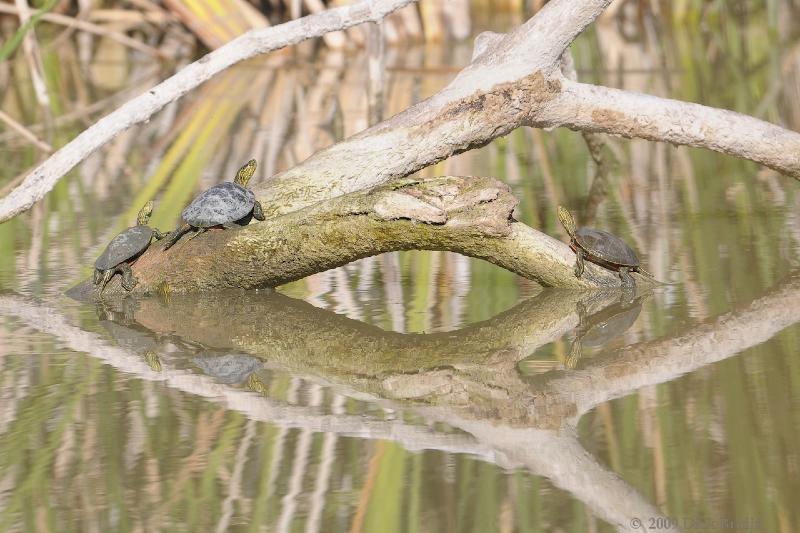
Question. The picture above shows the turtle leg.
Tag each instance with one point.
(258, 212)
(175, 235)
(129, 281)
(158, 235)
(97, 276)
(107, 274)
(198, 231)
(627, 280)
(579, 263)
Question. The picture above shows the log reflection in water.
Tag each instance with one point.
(466, 379)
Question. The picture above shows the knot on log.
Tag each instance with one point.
(482, 203)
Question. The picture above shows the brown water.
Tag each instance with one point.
(416, 391)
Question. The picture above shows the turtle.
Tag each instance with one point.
(602, 248)
(123, 250)
(227, 204)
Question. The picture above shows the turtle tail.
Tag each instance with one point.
(175, 235)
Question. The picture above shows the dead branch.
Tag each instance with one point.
(44, 177)
(471, 216)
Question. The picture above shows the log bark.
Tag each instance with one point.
(592, 108)
(469, 215)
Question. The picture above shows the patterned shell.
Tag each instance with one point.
(606, 246)
(124, 246)
(221, 204)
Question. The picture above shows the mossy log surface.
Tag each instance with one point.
(472, 216)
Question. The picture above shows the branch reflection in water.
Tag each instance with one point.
(459, 391)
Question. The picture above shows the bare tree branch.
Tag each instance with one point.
(515, 80)
(602, 109)
(45, 176)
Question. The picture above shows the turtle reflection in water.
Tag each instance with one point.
(226, 205)
(602, 327)
(123, 250)
(228, 368)
(602, 248)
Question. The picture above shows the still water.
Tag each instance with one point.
(416, 391)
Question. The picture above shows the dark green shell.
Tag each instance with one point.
(221, 204)
(606, 246)
(124, 246)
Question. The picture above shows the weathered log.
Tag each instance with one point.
(472, 216)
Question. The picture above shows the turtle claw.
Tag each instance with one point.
(173, 236)
(197, 232)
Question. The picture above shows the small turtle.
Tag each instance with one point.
(123, 250)
(224, 205)
(602, 248)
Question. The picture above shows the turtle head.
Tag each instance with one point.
(245, 173)
(566, 220)
(144, 213)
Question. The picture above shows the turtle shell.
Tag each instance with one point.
(606, 246)
(124, 246)
(221, 204)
